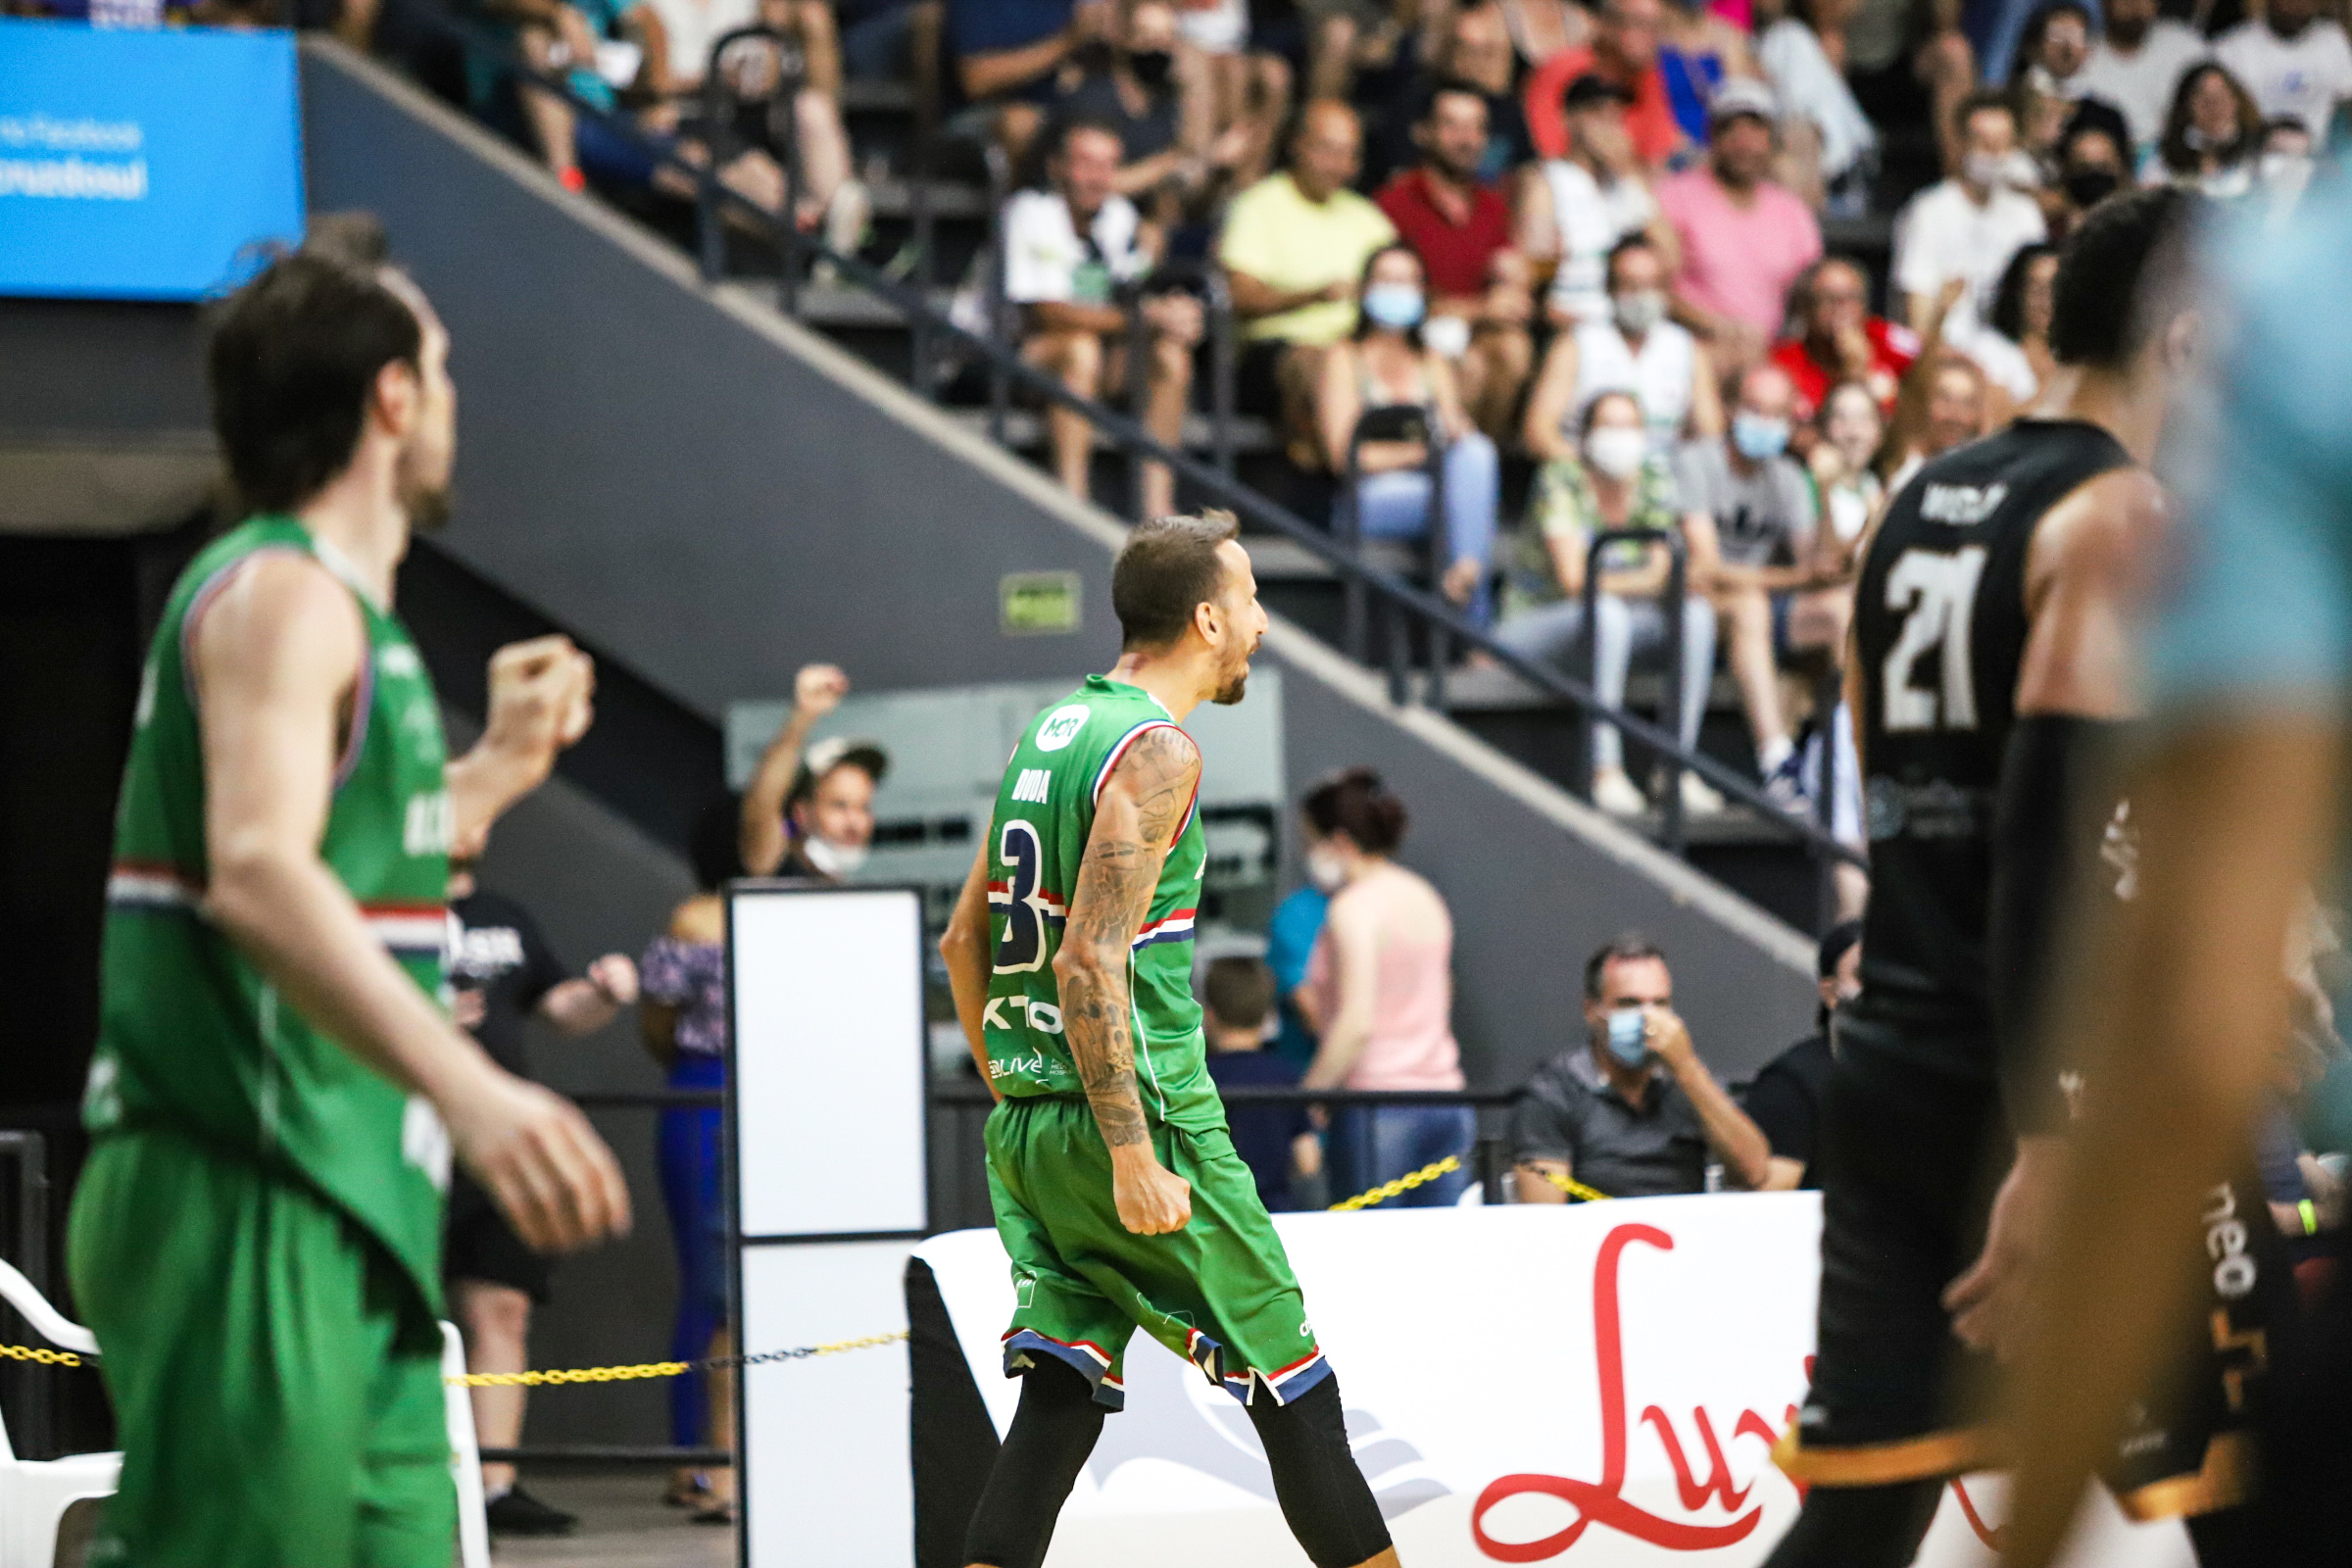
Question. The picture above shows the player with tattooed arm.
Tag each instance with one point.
(1116, 1187)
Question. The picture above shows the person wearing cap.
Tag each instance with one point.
(809, 810)
(1624, 49)
(1574, 210)
(1744, 238)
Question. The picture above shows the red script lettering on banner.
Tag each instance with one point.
(1603, 1502)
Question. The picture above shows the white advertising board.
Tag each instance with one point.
(1594, 1385)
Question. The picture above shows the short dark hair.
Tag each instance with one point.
(1980, 99)
(1835, 942)
(1450, 86)
(1584, 421)
(353, 235)
(2123, 257)
(1072, 124)
(1355, 801)
(1630, 947)
(1168, 567)
(1637, 241)
(1239, 991)
(294, 359)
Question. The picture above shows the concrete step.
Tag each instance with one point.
(1025, 430)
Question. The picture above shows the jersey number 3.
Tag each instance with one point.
(1024, 944)
(1935, 591)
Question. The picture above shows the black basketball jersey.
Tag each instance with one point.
(1940, 631)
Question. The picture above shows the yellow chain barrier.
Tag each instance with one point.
(47, 1357)
(1403, 1183)
(666, 1369)
(1572, 1186)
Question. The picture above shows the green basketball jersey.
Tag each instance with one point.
(191, 1036)
(1045, 809)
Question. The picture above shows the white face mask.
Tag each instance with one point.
(1986, 169)
(1638, 311)
(834, 859)
(1326, 870)
(1616, 451)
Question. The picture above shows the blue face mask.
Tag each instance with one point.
(1760, 438)
(1395, 306)
(1629, 1035)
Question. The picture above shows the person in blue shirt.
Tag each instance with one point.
(1276, 1142)
(1290, 944)
(2239, 807)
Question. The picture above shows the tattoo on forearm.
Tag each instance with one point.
(1141, 807)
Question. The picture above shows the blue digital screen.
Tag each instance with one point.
(143, 165)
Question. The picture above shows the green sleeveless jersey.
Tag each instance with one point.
(1045, 809)
(191, 1036)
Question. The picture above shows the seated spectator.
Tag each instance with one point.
(1007, 53)
(1345, 36)
(1625, 50)
(2092, 166)
(1542, 29)
(1765, 572)
(808, 812)
(1238, 95)
(1697, 51)
(2293, 61)
(2013, 349)
(2213, 135)
(1381, 982)
(1637, 350)
(1128, 82)
(2052, 57)
(1968, 226)
(1615, 481)
(1473, 55)
(1631, 1112)
(1066, 251)
(1291, 936)
(1462, 230)
(1295, 244)
(1837, 339)
(2136, 65)
(1276, 1142)
(1388, 381)
(1784, 1100)
(1849, 430)
(563, 38)
(1574, 211)
(1952, 407)
(1829, 145)
(1744, 239)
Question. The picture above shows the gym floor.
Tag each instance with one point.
(623, 1524)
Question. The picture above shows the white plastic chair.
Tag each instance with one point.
(35, 1494)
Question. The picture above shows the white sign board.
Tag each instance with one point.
(1595, 1385)
(829, 1169)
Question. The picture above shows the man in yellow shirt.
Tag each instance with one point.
(1295, 244)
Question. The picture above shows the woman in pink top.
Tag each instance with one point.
(1380, 992)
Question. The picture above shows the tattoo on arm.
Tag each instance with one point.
(1136, 821)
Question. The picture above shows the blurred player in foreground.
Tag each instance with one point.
(2240, 805)
(1117, 1189)
(276, 1091)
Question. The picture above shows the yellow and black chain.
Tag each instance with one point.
(667, 1369)
(1446, 1166)
(42, 1354)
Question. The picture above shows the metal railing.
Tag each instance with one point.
(32, 1429)
(1400, 599)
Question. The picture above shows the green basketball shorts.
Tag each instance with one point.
(277, 1394)
(1218, 1292)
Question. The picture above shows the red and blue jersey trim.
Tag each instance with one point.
(1085, 1358)
(1174, 926)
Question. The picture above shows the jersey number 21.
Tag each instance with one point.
(1935, 591)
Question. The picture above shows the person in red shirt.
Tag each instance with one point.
(1837, 339)
(1625, 50)
(1478, 281)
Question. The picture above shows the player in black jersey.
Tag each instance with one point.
(1989, 661)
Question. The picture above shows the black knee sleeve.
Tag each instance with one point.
(1859, 1526)
(1052, 1432)
(1324, 1497)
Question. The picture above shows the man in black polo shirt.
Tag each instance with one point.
(1631, 1112)
(1785, 1098)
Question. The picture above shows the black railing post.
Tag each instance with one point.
(999, 191)
(1492, 1163)
(1139, 395)
(1348, 516)
(1828, 696)
(1437, 540)
(1220, 369)
(792, 75)
(1670, 799)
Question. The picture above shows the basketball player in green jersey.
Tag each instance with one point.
(276, 1091)
(1117, 1189)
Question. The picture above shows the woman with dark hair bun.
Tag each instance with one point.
(1380, 994)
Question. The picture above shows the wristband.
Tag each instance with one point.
(2310, 1216)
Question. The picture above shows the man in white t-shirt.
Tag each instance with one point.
(1066, 251)
(2295, 62)
(1577, 208)
(2138, 65)
(1968, 226)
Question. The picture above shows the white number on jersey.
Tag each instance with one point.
(1935, 593)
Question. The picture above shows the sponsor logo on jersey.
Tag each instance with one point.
(1032, 784)
(430, 822)
(424, 1140)
(397, 659)
(1061, 726)
(1963, 505)
(1044, 1016)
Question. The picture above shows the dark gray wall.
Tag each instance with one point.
(715, 496)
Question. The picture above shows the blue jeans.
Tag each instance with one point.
(1396, 505)
(693, 1190)
(1370, 1145)
(1623, 630)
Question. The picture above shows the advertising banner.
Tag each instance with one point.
(143, 165)
(1596, 1385)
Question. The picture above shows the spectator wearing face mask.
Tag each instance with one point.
(1837, 339)
(2292, 61)
(1784, 1100)
(2213, 135)
(2135, 65)
(1967, 226)
(1765, 562)
(1636, 350)
(1574, 210)
(1381, 985)
(2091, 167)
(1386, 377)
(1615, 481)
(1127, 84)
(809, 808)
(1744, 237)
(1631, 1111)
